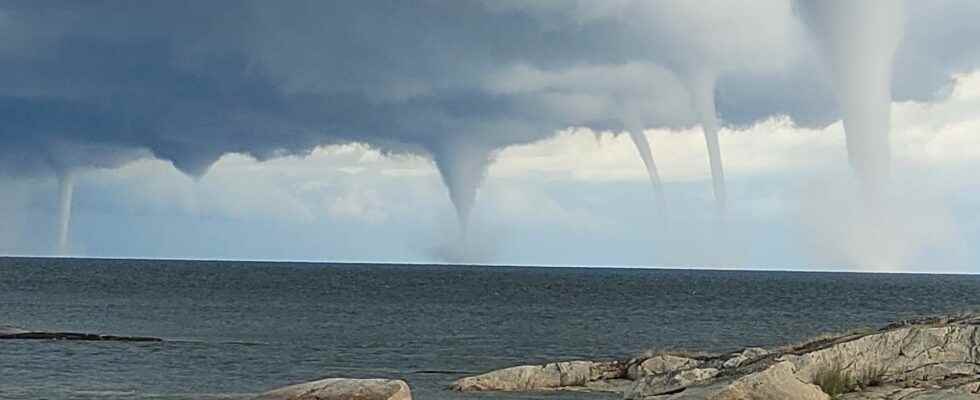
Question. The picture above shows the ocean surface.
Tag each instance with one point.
(238, 328)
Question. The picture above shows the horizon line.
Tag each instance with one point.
(748, 268)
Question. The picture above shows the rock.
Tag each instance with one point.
(902, 393)
(961, 388)
(928, 358)
(542, 377)
(519, 378)
(606, 385)
(749, 354)
(342, 389)
(669, 382)
(931, 358)
(914, 352)
(661, 364)
(778, 382)
(700, 392)
(696, 375)
(9, 332)
(608, 370)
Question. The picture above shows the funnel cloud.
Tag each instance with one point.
(643, 148)
(463, 167)
(859, 40)
(66, 188)
(703, 95)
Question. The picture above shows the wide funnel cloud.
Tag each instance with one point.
(462, 166)
(859, 39)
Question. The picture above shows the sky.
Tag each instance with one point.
(375, 131)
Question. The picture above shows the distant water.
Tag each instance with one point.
(238, 328)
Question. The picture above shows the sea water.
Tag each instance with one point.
(233, 329)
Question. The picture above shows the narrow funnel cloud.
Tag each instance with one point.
(859, 39)
(66, 188)
(462, 166)
(702, 87)
(643, 147)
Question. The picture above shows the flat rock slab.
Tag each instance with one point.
(11, 330)
(565, 375)
(342, 389)
(10, 333)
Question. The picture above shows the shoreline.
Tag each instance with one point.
(922, 358)
(932, 357)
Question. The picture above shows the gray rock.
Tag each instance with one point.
(747, 355)
(903, 393)
(342, 389)
(936, 354)
(697, 392)
(553, 376)
(661, 364)
(669, 382)
(9, 332)
(937, 358)
(913, 352)
(779, 382)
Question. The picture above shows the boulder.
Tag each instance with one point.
(342, 389)
(778, 382)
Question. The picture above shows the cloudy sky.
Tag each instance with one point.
(307, 130)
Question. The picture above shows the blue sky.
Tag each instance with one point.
(359, 131)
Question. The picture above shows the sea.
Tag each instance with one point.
(233, 329)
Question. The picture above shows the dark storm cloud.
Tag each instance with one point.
(100, 83)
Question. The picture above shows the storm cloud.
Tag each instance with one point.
(99, 84)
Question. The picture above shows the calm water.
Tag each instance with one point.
(238, 328)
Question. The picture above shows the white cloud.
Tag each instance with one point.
(966, 86)
(360, 204)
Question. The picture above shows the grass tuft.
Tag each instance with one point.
(834, 379)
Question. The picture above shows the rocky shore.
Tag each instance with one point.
(921, 359)
(929, 358)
